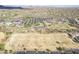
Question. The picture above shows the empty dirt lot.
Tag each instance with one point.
(40, 42)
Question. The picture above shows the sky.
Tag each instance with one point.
(39, 2)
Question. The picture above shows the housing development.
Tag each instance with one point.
(39, 30)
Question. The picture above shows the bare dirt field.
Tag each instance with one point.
(40, 42)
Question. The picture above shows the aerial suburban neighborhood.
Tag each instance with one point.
(39, 30)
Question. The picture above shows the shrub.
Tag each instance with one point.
(10, 51)
(60, 48)
(1, 47)
(5, 51)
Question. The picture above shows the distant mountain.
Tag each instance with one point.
(31, 6)
(9, 7)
